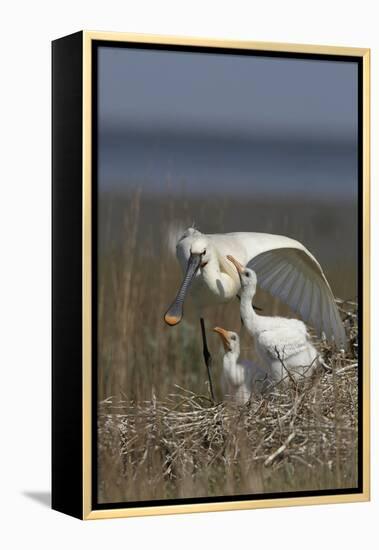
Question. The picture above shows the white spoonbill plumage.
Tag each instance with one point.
(240, 378)
(284, 267)
(282, 344)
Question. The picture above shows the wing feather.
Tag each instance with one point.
(295, 281)
(281, 282)
(326, 319)
(272, 276)
(271, 271)
(306, 300)
(283, 342)
(295, 276)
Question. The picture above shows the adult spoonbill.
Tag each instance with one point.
(240, 378)
(284, 267)
(282, 344)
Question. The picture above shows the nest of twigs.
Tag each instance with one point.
(296, 436)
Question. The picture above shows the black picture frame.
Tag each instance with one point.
(74, 462)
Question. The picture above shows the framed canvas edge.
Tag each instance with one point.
(364, 496)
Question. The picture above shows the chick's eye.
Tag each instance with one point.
(247, 274)
(233, 337)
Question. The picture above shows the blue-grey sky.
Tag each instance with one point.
(253, 124)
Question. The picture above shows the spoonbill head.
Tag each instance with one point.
(247, 277)
(230, 340)
(212, 278)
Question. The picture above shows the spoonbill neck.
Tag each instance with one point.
(231, 367)
(252, 321)
(230, 359)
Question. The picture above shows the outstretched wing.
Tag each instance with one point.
(295, 277)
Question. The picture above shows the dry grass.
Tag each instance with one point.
(296, 437)
(157, 441)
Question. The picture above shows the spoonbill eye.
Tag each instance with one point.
(233, 337)
(247, 274)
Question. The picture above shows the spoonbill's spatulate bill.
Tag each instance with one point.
(282, 344)
(240, 378)
(284, 267)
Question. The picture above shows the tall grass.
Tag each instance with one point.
(297, 437)
(141, 360)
